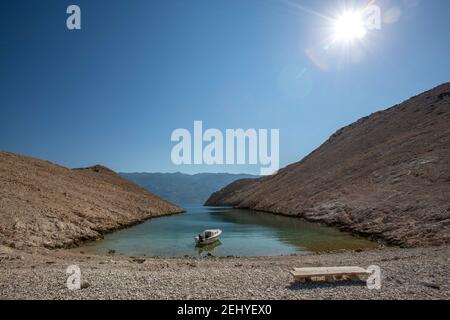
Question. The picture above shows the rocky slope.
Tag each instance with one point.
(386, 176)
(46, 205)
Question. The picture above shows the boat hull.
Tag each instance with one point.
(208, 241)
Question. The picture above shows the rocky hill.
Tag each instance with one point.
(386, 176)
(46, 205)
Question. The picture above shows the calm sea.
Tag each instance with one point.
(245, 233)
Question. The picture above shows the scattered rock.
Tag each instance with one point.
(84, 285)
(431, 285)
(139, 260)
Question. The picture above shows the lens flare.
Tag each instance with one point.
(349, 27)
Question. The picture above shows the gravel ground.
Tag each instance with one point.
(420, 273)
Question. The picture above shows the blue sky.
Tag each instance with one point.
(113, 92)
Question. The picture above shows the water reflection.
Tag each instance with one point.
(209, 248)
(245, 233)
(293, 231)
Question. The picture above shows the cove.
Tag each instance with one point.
(245, 233)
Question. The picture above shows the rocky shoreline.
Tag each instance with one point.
(408, 273)
(383, 176)
(46, 205)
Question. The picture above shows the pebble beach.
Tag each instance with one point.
(418, 273)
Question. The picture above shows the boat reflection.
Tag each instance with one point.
(209, 248)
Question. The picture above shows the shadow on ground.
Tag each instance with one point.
(325, 285)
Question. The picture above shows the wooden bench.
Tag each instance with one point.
(329, 274)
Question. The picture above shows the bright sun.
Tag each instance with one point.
(349, 27)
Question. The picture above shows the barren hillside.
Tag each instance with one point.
(386, 176)
(46, 205)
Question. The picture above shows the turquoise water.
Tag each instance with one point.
(245, 233)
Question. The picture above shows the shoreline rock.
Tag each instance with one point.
(50, 206)
(384, 176)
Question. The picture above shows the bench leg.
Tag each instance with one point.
(300, 279)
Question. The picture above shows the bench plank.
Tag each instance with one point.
(329, 273)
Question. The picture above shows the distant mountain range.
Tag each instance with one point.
(183, 189)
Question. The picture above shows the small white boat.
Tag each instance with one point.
(207, 237)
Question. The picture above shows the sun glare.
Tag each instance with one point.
(349, 27)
